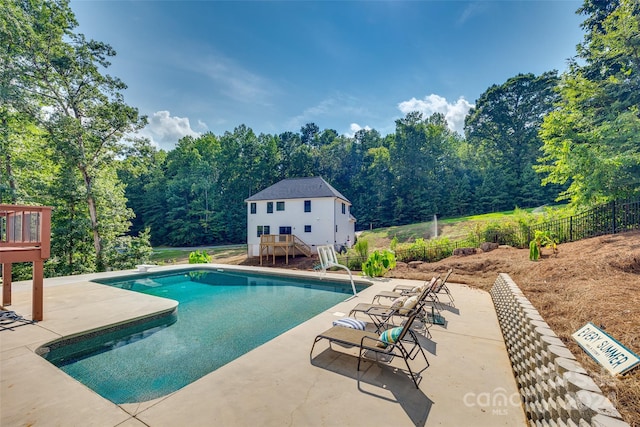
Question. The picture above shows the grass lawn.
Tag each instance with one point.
(166, 255)
(452, 228)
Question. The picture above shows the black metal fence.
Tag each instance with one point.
(611, 218)
(614, 217)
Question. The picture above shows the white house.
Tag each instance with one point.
(309, 208)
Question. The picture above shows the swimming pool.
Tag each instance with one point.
(221, 316)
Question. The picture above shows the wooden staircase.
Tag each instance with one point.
(302, 246)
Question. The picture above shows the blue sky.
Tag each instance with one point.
(200, 66)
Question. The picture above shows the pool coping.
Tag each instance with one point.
(277, 383)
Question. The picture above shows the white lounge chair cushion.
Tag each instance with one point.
(389, 336)
(398, 302)
(410, 303)
(350, 322)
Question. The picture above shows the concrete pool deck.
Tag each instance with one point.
(469, 381)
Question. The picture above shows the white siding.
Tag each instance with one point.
(346, 228)
(325, 214)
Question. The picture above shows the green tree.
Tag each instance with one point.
(369, 177)
(503, 128)
(191, 180)
(422, 156)
(590, 140)
(309, 134)
(54, 76)
(142, 170)
(286, 142)
(26, 166)
(374, 196)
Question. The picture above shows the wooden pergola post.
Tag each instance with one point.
(6, 283)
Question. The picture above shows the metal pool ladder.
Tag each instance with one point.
(328, 259)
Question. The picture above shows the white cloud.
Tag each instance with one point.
(454, 113)
(472, 9)
(203, 126)
(234, 81)
(354, 127)
(164, 130)
(337, 105)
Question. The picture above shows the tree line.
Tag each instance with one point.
(532, 140)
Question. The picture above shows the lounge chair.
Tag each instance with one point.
(422, 296)
(381, 315)
(402, 291)
(9, 318)
(400, 341)
(440, 289)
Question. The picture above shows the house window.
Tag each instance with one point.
(279, 206)
(307, 229)
(344, 208)
(307, 205)
(285, 230)
(263, 229)
(269, 207)
(253, 208)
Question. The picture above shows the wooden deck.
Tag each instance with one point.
(284, 244)
(25, 236)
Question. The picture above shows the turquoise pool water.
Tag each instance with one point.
(221, 316)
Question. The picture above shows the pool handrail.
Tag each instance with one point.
(329, 259)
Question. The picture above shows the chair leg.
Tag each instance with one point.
(413, 377)
(422, 316)
(449, 294)
(313, 346)
(359, 357)
(407, 355)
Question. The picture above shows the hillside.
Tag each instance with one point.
(594, 280)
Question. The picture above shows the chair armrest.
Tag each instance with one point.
(374, 340)
(374, 345)
(403, 288)
(380, 311)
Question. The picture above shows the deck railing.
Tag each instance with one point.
(26, 226)
(285, 243)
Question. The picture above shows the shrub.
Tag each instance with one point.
(126, 252)
(534, 251)
(425, 250)
(199, 257)
(362, 248)
(378, 263)
(541, 239)
(394, 243)
(354, 263)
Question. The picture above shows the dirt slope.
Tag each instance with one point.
(594, 280)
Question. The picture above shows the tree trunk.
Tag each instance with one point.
(93, 214)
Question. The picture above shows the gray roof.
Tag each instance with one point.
(298, 188)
